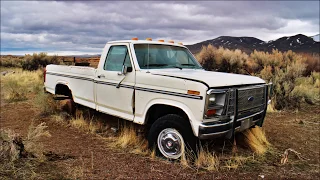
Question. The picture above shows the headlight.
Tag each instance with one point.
(212, 98)
(215, 102)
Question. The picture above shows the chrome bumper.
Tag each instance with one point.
(228, 127)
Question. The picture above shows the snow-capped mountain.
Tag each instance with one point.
(316, 37)
(296, 43)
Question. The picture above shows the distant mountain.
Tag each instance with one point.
(316, 37)
(297, 43)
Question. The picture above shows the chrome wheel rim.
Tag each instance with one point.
(170, 143)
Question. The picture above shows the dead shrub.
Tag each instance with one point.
(10, 148)
(256, 139)
(14, 146)
(37, 61)
(11, 61)
(281, 68)
(46, 104)
(312, 62)
(222, 60)
(32, 142)
(22, 158)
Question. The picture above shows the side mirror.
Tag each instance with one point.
(124, 70)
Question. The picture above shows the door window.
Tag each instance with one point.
(117, 56)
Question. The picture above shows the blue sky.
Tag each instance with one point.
(84, 27)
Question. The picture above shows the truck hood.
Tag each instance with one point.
(211, 78)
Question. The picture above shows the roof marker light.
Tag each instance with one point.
(180, 43)
(149, 39)
(171, 41)
(160, 40)
(135, 39)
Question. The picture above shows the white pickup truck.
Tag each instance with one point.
(161, 85)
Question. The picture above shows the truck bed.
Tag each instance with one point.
(78, 78)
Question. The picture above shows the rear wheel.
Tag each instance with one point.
(69, 106)
(170, 136)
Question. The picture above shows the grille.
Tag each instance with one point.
(231, 102)
(251, 99)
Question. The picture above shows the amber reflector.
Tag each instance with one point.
(193, 92)
(180, 43)
(161, 40)
(211, 112)
(149, 39)
(134, 38)
(171, 41)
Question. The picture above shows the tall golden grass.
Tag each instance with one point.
(16, 86)
(257, 140)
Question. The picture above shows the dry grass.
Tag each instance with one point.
(76, 172)
(271, 109)
(129, 139)
(153, 154)
(22, 158)
(207, 160)
(8, 149)
(46, 104)
(32, 142)
(256, 140)
(81, 123)
(17, 85)
(235, 162)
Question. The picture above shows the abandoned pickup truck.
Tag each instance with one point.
(162, 86)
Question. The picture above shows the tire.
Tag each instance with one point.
(170, 136)
(70, 107)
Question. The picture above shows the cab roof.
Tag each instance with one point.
(145, 42)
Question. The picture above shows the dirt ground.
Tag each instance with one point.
(73, 153)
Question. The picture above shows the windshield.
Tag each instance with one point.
(158, 56)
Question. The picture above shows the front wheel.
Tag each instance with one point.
(171, 135)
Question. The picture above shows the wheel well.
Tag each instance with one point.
(62, 89)
(158, 110)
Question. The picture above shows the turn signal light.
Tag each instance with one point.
(149, 39)
(161, 40)
(171, 41)
(211, 112)
(193, 92)
(135, 39)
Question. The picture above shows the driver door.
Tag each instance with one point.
(110, 97)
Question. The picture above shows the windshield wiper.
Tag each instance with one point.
(155, 65)
(188, 65)
(177, 67)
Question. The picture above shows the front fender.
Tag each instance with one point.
(193, 122)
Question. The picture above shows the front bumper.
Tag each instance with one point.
(228, 126)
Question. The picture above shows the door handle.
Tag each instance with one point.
(101, 76)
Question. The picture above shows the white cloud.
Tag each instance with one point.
(86, 26)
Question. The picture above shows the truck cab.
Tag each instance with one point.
(161, 85)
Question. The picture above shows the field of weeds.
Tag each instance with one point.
(39, 140)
